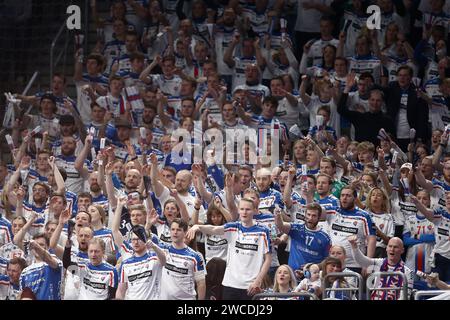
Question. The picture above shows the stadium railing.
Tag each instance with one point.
(359, 278)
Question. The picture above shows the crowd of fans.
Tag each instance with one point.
(221, 149)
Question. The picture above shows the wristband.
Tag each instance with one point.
(196, 208)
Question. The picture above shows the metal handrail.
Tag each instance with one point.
(259, 296)
(422, 293)
(52, 49)
(345, 275)
(404, 286)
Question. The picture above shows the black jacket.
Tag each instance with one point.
(366, 124)
(416, 109)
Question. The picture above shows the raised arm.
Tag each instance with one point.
(228, 54)
(19, 236)
(359, 257)
(428, 213)
(305, 97)
(183, 209)
(205, 229)
(422, 181)
(115, 226)
(59, 180)
(159, 253)
(157, 186)
(287, 193)
(284, 227)
(44, 255)
(110, 185)
(56, 235)
(229, 195)
(79, 161)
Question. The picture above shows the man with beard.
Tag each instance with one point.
(255, 91)
(39, 204)
(269, 197)
(309, 244)
(68, 128)
(96, 191)
(69, 252)
(347, 220)
(133, 179)
(324, 196)
(183, 186)
(75, 167)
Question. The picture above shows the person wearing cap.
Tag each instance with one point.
(120, 136)
(68, 128)
(140, 275)
(90, 84)
(46, 118)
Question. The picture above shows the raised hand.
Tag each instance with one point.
(152, 216)
(353, 240)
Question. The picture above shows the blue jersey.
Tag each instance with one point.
(307, 245)
(43, 280)
(269, 200)
(328, 203)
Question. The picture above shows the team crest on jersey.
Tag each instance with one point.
(430, 227)
(185, 264)
(381, 226)
(355, 223)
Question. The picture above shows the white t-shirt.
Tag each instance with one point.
(183, 268)
(245, 254)
(308, 19)
(142, 276)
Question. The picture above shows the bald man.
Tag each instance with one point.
(393, 262)
(184, 189)
(269, 197)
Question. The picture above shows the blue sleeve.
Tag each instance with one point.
(371, 226)
(280, 200)
(408, 240)
(116, 181)
(111, 132)
(217, 174)
(199, 260)
(116, 278)
(426, 238)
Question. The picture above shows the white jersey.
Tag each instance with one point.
(353, 24)
(315, 54)
(96, 280)
(442, 232)
(115, 105)
(245, 255)
(239, 69)
(344, 223)
(418, 255)
(335, 119)
(142, 276)
(163, 231)
(384, 222)
(368, 64)
(216, 247)
(223, 39)
(184, 267)
(401, 210)
(170, 87)
(74, 181)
